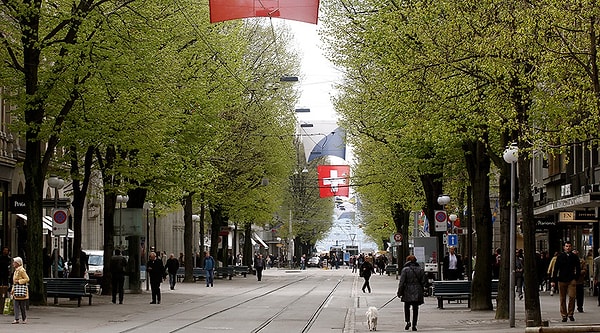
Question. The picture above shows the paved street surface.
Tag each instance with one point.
(313, 300)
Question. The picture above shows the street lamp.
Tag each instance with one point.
(148, 206)
(442, 200)
(120, 200)
(196, 218)
(452, 217)
(56, 183)
(511, 155)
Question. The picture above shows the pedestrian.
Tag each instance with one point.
(172, 267)
(209, 267)
(118, 265)
(259, 265)
(303, 262)
(411, 290)
(181, 260)
(47, 261)
(366, 269)
(553, 287)
(20, 280)
(597, 275)
(452, 265)
(58, 264)
(579, 288)
(519, 270)
(5, 263)
(156, 270)
(566, 271)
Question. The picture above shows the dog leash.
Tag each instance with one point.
(388, 302)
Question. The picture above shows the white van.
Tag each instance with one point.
(95, 264)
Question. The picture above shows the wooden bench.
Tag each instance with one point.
(223, 272)
(457, 290)
(241, 270)
(70, 288)
(197, 273)
(391, 269)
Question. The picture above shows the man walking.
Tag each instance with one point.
(579, 288)
(156, 270)
(259, 264)
(453, 265)
(566, 271)
(172, 267)
(597, 275)
(209, 267)
(5, 278)
(118, 263)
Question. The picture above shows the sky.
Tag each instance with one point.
(318, 74)
(316, 85)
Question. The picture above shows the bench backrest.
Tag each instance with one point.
(451, 287)
(54, 285)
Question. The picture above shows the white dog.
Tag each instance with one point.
(372, 318)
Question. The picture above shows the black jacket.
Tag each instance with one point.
(156, 269)
(172, 265)
(566, 268)
(118, 264)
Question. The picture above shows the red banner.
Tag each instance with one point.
(334, 180)
(297, 10)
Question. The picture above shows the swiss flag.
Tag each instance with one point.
(334, 180)
(297, 10)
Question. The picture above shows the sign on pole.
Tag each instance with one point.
(441, 220)
(60, 227)
(452, 240)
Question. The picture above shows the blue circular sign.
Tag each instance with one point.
(60, 217)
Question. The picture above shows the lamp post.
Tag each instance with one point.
(56, 183)
(442, 200)
(196, 218)
(148, 206)
(511, 155)
(120, 200)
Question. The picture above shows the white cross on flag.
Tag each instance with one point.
(334, 180)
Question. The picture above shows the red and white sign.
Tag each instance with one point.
(334, 180)
(398, 237)
(60, 227)
(297, 10)
(441, 220)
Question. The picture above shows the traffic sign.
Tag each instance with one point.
(59, 222)
(441, 219)
(452, 240)
(398, 237)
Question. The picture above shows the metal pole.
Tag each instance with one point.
(55, 239)
(290, 246)
(511, 253)
(147, 246)
(469, 234)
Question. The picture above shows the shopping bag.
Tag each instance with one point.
(20, 290)
(8, 306)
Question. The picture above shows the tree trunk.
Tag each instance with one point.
(478, 164)
(432, 185)
(532, 294)
(504, 294)
(188, 238)
(401, 218)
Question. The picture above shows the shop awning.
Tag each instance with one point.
(259, 240)
(46, 225)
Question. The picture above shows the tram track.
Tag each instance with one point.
(262, 326)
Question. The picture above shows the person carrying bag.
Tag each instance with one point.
(20, 292)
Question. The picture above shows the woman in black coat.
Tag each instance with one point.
(411, 290)
(366, 269)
